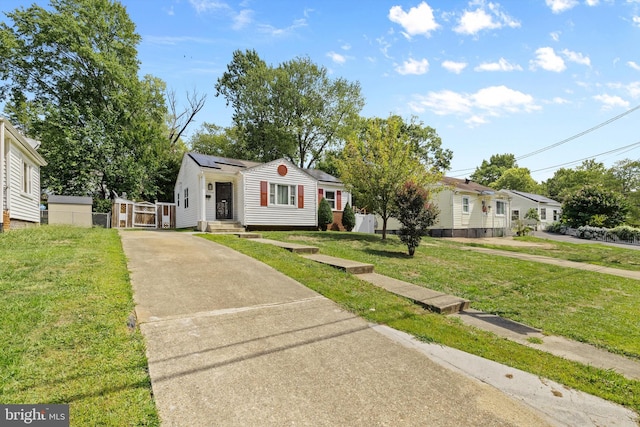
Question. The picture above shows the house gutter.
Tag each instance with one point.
(2, 189)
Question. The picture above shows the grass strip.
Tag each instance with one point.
(377, 305)
(66, 303)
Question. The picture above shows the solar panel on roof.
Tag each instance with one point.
(204, 161)
(228, 162)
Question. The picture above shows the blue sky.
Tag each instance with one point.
(490, 76)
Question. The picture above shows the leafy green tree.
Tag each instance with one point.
(215, 140)
(627, 174)
(566, 182)
(379, 157)
(70, 77)
(428, 145)
(348, 217)
(518, 179)
(293, 110)
(490, 171)
(415, 213)
(325, 214)
(594, 206)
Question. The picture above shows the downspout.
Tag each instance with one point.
(2, 169)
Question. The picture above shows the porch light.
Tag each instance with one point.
(210, 187)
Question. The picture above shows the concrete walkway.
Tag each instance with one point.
(230, 341)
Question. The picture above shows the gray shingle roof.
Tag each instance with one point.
(70, 200)
(535, 197)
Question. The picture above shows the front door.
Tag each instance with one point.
(224, 207)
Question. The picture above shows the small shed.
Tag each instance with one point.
(73, 210)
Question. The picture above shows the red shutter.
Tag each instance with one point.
(320, 194)
(338, 200)
(264, 195)
(300, 196)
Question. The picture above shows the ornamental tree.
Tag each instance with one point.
(348, 217)
(415, 213)
(325, 214)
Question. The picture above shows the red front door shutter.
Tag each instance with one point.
(338, 200)
(264, 195)
(300, 196)
(320, 194)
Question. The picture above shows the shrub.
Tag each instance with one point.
(555, 227)
(348, 218)
(624, 232)
(414, 212)
(325, 214)
(594, 206)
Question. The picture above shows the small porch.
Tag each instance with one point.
(219, 201)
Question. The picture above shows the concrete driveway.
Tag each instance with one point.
(230, 341)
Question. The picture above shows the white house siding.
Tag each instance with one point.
(522, 204)
(345, 196)
(187, 178)
(213, 178)
(23, 205)
(272, 215)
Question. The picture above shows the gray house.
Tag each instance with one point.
(548, 209)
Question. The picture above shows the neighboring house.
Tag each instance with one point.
(19, 178)
(213, 191)
(548, 209)
(466, 209)
(73, 210)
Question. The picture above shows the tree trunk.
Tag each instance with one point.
(384, 228)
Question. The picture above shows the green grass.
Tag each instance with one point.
(441, 265)
(591, 253)
(66, 300)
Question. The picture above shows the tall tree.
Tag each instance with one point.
(293, 110)
(490, 171)
(70, 77)
(518, 179)
(595, 206)
(379, 157)
(566, 182)
(218, 141)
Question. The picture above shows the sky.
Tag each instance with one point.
(491, 77)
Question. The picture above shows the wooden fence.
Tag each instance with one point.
(129, 214)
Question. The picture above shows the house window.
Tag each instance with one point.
(543, 214)
(186, 198)
(465, 205)
(500, 207)
(515, 215)
(331, 198)
(178, 198)
(284, 195)
(26, 177)
(556, 217)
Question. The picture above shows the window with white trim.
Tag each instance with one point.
(26, 177)
(543, 214)
(282, 195)
(465, 204)
(500, 207)
(330, 195)
(515, 215)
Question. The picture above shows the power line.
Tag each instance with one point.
(626, 147)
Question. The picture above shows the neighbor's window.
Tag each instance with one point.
(280, 194)
(26, 177)
(186, 198)
(543, 214)
(465, 205)
(331, 198)
(500, 208)
(556, 216)
(178, 198)
(515, 215)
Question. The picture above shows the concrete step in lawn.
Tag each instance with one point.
(291, 247)
(428, 298)
(349, 266)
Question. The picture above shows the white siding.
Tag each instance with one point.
(187, 178)
(523, 204)
(452, 216)
(254, 214)
(23, 205)
(345, 195)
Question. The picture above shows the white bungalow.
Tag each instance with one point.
(468, 209)
(19, 178)
(214, 192)
(548, 209)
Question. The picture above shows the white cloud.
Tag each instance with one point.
(559, 100)
(576, 57)
(634, 89)
(345, 46)
(592, 2)
(547, 59)
(555, 36)
(494, 101)
(202, 6)
(418, 20)
(609, 101)
(454, 67)
(633, 65)
(501, 65)
(559, 6)
(242, 19)
(636, 20)
(413, 67)
(337, 58)
(485, 17)
(277, 32)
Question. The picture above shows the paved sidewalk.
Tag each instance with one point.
(230, 341)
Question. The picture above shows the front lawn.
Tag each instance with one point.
(523, 291)
(66, 302)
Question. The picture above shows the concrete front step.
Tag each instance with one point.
(428, 298)
(349, 266)
(224, 226)
(291, 247)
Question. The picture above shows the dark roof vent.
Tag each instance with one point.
(467, 180)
